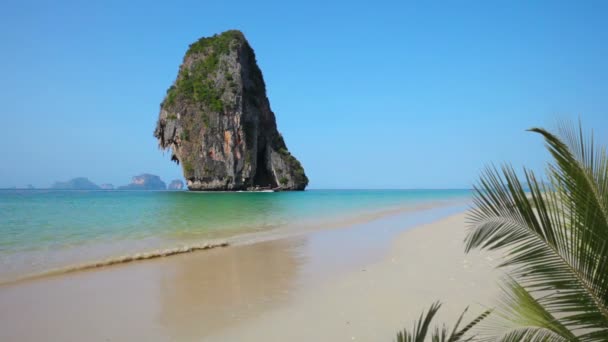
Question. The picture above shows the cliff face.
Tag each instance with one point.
(217, 121)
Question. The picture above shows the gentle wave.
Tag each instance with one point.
(120, 260)
(241, 239)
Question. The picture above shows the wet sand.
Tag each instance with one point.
(19, 267)
(362, 283)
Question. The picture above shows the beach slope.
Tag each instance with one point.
(339, 285)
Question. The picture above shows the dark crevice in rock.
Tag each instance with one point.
(263, 175)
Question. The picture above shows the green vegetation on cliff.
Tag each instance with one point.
(196, 82)
(220, 43)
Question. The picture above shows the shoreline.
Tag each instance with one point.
(354, 281)
(120, 260)
(294, 230)
(383, 295)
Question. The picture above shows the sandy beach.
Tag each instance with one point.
(361, 283)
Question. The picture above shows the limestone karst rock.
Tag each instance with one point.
(145, 181)
(217, 122)
(176, 184)
(78, 183)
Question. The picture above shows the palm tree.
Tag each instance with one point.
(554, 240)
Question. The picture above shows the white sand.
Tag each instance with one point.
(424, 265)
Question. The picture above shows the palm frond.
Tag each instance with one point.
(519, 314)
(555, 238)
(530, 335)
(420, 330)
(582, 177)
(458, 335)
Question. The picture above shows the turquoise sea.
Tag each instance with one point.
(42, 230)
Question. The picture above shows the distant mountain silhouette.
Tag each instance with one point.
(145, 181)
(79, 183)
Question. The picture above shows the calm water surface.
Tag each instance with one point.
(41, 230)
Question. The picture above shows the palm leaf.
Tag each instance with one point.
(554, 238)
(521, 317)
(421, 328)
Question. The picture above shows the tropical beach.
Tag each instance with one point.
(56, 231)
(334, 284)
(304, 171)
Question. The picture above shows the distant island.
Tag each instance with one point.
(218, 105)
(78, 183)
(176, 184)
(145, 181)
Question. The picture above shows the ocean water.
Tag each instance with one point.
(47, 230)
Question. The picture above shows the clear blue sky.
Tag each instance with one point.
(379, 95)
